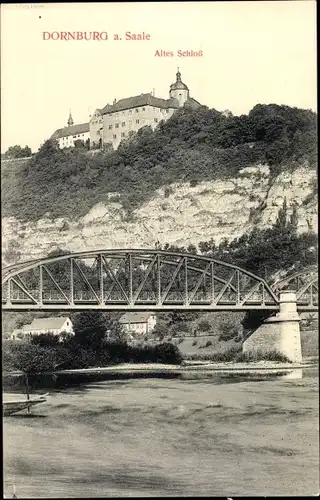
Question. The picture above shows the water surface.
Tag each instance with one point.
(156, 437)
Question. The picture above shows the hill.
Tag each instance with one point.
(191, 147)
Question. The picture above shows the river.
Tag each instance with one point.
(160, 437)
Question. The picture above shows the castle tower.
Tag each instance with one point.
(70, 120)
(179, 90)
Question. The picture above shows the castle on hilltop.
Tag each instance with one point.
(114, 122)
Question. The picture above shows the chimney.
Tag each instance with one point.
(114, 101)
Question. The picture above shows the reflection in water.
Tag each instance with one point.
(155, 437)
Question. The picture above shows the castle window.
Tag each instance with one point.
(110, 127)
(137, 111)
(123, 124)
(137, 121)
(167, 110)
(143, 109)
(123, 134)
(114, 136)
(123, 112)
(156, 120)
(74, 136)
(117, 125)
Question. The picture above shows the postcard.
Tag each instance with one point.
(159, 249)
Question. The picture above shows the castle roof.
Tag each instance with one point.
(81, 128)
(140, 100)
(178, 85)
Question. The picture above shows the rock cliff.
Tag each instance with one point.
(217, 209)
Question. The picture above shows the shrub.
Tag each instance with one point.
(262, 355)
(208, 343)
(195, 342)
(204, 325)
(167, 353)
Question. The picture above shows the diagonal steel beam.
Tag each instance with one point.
(146, 275)
(176, 271)
(18, 277)
(100, 264)
(24, 290)
(83, 276)
(223, 289)
(250, 293)
(114, 282)
(55, 283)
(202, 275)
(304, 289)
(115, 279)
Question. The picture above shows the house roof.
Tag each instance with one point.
(25, 328)
(140, 100)
(54, 323)
(135, 317)
(81, 128)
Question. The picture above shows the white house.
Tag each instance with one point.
(67, 136)
(140, 323)
(39, 326)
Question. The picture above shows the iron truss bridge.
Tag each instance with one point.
(134, 280)
(306, 286)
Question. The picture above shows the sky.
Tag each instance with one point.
(253, 52)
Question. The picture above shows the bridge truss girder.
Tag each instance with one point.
(306, 286)
(133, 280)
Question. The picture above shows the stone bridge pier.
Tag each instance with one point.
(280, 332)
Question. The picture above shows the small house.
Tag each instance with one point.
(56, 325)
(141, 323)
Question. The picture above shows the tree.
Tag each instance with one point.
(30, 358)
(17, 152)
(46, 340)
(89, 328)
(282, 218)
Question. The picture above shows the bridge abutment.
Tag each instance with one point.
(280, 332)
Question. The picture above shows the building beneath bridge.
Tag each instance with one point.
(39, 326)
(138, 323)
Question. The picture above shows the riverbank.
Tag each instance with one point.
(188, 366)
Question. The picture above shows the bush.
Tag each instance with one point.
(204, 325)
(195, 342)
(262, 355)
(167, 353)
(235, 354)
